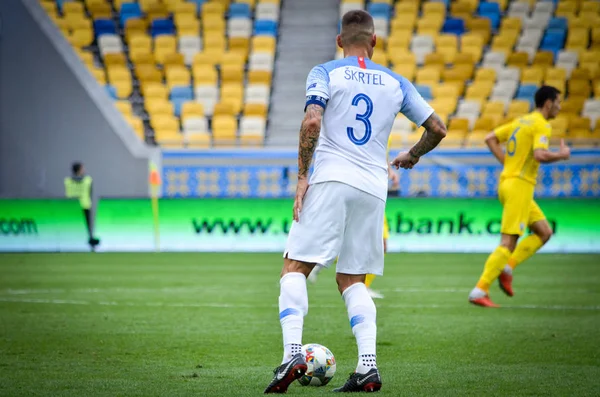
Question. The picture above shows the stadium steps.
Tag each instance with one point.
(306, 39)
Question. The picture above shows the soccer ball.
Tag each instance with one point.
(321, 365)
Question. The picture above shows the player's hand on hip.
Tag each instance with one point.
(301, 189)
(405, 160)
(564, 150)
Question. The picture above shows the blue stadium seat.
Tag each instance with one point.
(129, 10)
(526, 92)
(558, 23)
(454, 26)
(553, 40)
(162, 26)
(104, 26)
(239, 10)
(490, 11)
(265, 27)
(424, 91)
(380, 10)
(111, 91)
(178, 96)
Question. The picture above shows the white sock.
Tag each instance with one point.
(507, 269)
(293, 306)
(362, 314)
(477, 293)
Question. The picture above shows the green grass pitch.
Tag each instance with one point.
(207, 325)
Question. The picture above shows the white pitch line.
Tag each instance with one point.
(236, 306)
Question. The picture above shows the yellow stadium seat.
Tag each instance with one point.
(592, 56)
(80, 23)
(164, 45)
(447, 45)
(461, 7)
(481, 27)
(559, 126)
(99, 75)
(210, 58)
(580, 88)
(191, 109)
(487, 123)
(434, 8)
(124, 88)
(144, 4)
(251, 3)
(580, 74)
(255, 109)
(428, 76)
(156, 11)
(147, 72)
(430, 25)
(214, 25)
(443, 105)
(558, 84)
(408, 70)
(565, 9)
(141, 43)
(406, 8)
(87, 58)
(232, 73)
(100, 10)
(380, 58)
(214, 41)
(174, 59)
(435, 60)
(232, 58)
(81, 38)
(137, 125)
(580, 123)
(49, 7)
(577, 39)
(115, 59)
(401, 57)
(572, 105)
(223, 108)
(204, 74)
(403, 24)
(156, 107)
(479, 90)
(178, 76)
(224, 129)
(460, 73)
(589, 7)
(494, 109)
(543, 58)
(485, 74)
(166, 133)
(460, 125)
(155, 90)
(447, 91)
(185, 8)
(240, 46)
(596, 38)
(187, 26)
(463, 59)
(212, 10)
(263, 44)
(135, 27)
(259, 77)
(73, 7)
(532, 75)
(511, 23)
(517, 108)
(518, 60)
(556, 74)
(398, 40)
(124, 107)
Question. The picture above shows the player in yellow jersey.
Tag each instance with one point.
(527, 140)
(393, 176)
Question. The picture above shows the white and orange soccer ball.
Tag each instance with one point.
(321, 365)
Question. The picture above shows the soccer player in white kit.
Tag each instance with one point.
(351, 105)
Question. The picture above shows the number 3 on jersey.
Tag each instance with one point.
(511, 145)
(362, 117)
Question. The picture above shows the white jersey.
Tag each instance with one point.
(361, 101)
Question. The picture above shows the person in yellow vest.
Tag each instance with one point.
(79, 186)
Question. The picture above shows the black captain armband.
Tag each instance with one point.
(316, 100)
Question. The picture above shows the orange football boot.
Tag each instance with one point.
(505, 281)
(483, 301)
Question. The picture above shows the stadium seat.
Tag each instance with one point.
(265, 28)
(224, 130)
(252, 131)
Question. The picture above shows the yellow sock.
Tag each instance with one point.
(369, 280)
(525, 250)
(493, 267)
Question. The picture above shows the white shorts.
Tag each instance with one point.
(339, 221)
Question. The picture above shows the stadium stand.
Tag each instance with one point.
(479, 62)
(198, 73)
(183, 73)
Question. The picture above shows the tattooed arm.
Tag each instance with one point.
(309, 135)
(435, 131)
